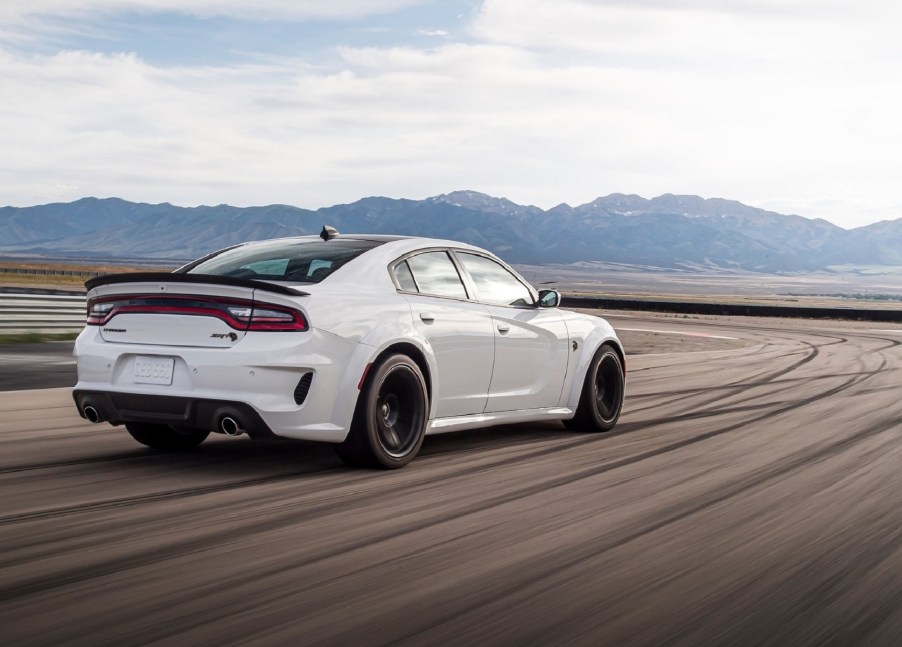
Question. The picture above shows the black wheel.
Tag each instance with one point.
(166, 438)
(602, 394)
(390, 419)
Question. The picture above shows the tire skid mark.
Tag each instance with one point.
(354, 500)
(586, 551)
(695, 413)
(881, 389)
(697, 401)
(62, 432)
(590, 549)
(765, 377)
(345, 502)
(93, 460)
(323, 509)
(374, 493)
(740, 385)
(728, 358)
(73, 463)
(874, 550)
(49, 513)
(67, 408)
(575, 441)
(810, 355)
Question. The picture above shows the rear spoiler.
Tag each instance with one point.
(208, 279)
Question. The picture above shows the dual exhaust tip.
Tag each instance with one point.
(230, 426)
(91, 414)
(227, 424)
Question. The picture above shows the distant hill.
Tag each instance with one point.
(670, 231)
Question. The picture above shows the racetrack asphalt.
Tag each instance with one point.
(749, 496)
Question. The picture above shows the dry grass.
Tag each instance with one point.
(81, 267)
(61, 281)
(42, 281)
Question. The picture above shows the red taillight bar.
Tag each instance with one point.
(239, 314)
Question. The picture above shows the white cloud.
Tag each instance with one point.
(255, 10)
(734, 100)
(710, 33)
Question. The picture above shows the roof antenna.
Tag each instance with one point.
(328, 233)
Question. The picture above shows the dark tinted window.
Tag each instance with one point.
(308, 261)
(435, 274)
(494, 283)
(404, 277)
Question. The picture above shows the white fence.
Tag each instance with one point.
(48, 313)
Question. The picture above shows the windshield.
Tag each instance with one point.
(308, 261)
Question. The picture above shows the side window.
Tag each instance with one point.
(435, 274)
(404, 277)
(494, 284)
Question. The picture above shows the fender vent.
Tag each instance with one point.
(303, 388)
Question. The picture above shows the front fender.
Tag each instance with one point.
(590, 344)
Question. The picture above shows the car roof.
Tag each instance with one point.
(406, 243)
(375, 238)
(380, 251)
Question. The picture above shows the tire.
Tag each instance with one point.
(165, 438)
(601, 399)
(390, 419)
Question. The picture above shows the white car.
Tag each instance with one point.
(368, 342)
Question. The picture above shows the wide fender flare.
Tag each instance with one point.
(591, 344)
(378, 342)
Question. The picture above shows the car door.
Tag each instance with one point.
(460, 331)
(532, 346)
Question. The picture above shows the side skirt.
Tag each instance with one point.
(459, 423)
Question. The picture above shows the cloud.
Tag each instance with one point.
(256, 10)
(695, 32)
(41, 20)
(752, 104)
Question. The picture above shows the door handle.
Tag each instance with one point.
(503, 328)
(427, 317)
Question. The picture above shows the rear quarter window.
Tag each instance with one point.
(434, 274)
(404, 277)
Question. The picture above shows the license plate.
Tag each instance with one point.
(153, 370)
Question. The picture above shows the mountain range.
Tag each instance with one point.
(669, 231)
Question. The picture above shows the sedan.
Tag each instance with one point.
(363, 341)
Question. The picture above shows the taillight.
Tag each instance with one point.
(268, 317)
(98, 312)
(237, 313)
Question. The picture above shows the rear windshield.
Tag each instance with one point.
(308, 261)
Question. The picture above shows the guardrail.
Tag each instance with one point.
(735, 310)
(24, 312)
(44, 313)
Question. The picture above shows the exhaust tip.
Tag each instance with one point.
(230, 426)
(91, 413)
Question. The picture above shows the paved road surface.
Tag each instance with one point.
(36, 366)
(750, 496)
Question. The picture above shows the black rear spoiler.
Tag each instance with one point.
(208, 279)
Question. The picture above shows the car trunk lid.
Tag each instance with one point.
(197, 311)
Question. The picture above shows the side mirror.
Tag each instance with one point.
(549, 298)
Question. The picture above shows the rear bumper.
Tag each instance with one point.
(260, 379)
(119, 408)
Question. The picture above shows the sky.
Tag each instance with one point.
(788, 105)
